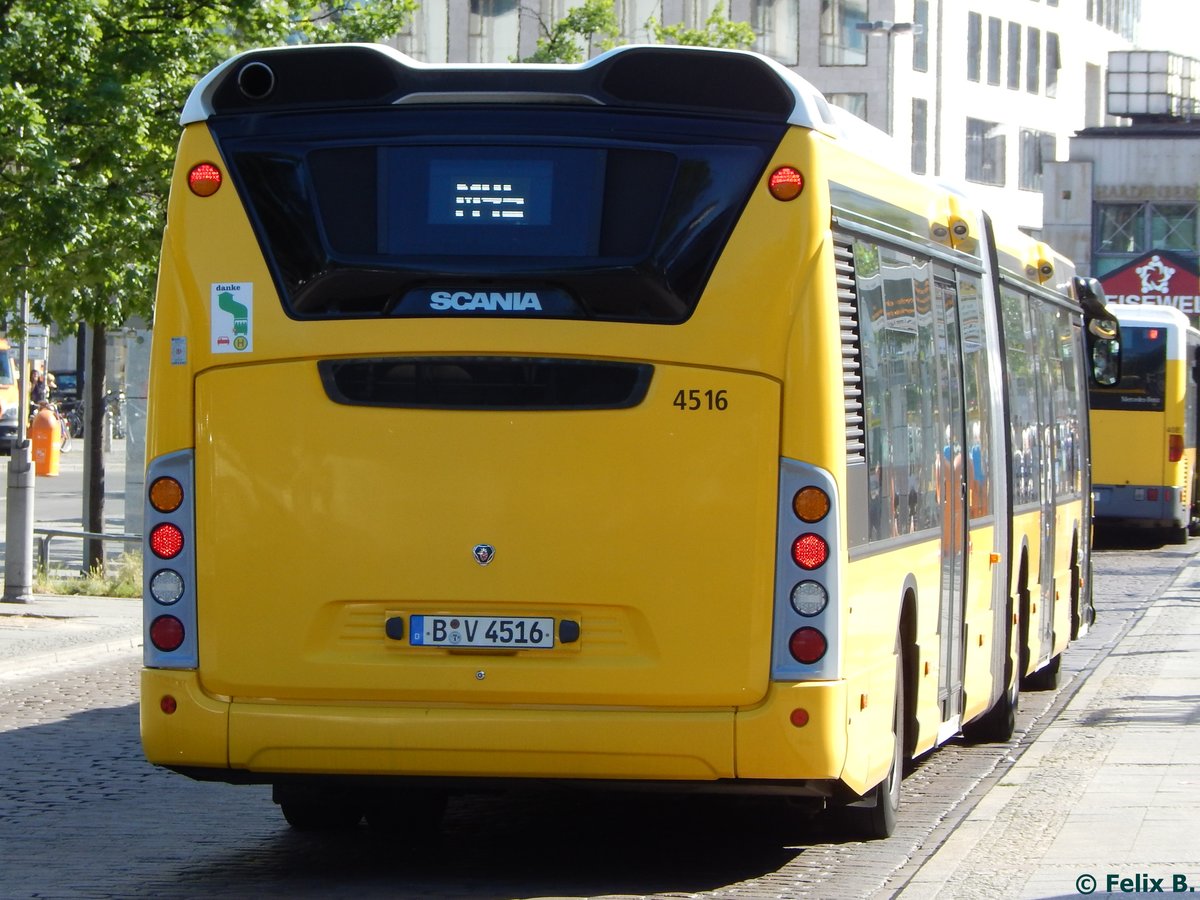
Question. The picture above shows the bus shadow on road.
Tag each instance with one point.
(84, 775)
(1112, 537)
(559, 843)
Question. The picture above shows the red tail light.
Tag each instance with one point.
(204, 179)
(166, 633)
(166, 540)
(809, 551)
(785, 183)
(807, 645)
(1175, 447)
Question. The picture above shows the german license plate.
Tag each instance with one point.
(514, 633)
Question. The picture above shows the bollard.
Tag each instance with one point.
(45, 435)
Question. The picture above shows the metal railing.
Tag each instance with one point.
(43, 536)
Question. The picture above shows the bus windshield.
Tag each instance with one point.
(1143, 371)
(562, 213)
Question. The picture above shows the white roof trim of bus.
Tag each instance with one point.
(811, 109)
(1157, 314)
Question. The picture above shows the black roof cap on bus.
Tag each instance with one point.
(363, 75)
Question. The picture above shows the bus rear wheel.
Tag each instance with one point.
(998, 724)
(874, 816)
(313, 809)
(1045, 678)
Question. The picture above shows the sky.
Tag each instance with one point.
(1171, 25)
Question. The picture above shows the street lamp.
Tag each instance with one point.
(890, 29)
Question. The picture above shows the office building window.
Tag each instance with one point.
(1033, 60)
(1014, 56)
(1053, 64)
(1125, 231)
(1037, 149)
(921, 36)
(974, 40)
(842, 44)
(777, 26)
(854, 103)
(995, 30)
(1173, 226)
(494, 31)
(1120, 227)
(985, 152)
(634, 16)
(920, 135)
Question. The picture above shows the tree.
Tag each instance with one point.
(718, 31)
(595, 20)
(90, 94)
(595, 23)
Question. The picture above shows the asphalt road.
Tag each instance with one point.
(83, 815)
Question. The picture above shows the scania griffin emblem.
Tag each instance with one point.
(483, 553)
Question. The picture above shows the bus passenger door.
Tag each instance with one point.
(952, 489)
(1047, 357)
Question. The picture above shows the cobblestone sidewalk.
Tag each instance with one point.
(1107, 800)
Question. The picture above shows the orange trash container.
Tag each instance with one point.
(46, 438)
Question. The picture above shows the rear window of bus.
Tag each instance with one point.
(1143, 371)
(609, 214)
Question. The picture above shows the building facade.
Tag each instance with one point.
(1125, 202)
(972, 91)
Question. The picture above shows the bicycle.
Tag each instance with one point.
(71, 412)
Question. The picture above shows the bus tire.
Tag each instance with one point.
(313, 809)
(997, 725)
(1045, 678)
(874, 816)
(1177, 534)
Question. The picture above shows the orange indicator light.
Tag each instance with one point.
(811, 504)
(166, 494)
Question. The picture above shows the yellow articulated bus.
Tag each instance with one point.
(1144, 427)
(632, 425)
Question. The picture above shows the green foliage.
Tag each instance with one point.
(121, 579)
(90, 94)
(593, 23)
(718, 31)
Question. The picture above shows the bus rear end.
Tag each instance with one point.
(1144, 427)
(468, 410)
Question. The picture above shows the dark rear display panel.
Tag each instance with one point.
(600, 214)
(1143, 372)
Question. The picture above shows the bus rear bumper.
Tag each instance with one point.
(481, 743)
(757, 750)
(1150, 506)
